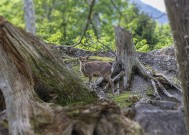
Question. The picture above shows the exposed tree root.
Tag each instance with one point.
(127, 64)
(158, 82)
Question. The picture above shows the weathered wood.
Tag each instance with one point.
(51, 77)
(16, 84)
(125, 53)
(178, 13)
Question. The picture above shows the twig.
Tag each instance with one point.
(120, 13)
(97, 38)
(118, 76)
(86, 25)
(155, 89)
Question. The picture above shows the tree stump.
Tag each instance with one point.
(127, 64)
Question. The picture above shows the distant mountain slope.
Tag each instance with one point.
(158, 15)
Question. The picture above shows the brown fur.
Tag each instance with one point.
(95, 68)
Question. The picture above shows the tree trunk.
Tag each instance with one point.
(125, 54)
(29, 16)
(178, 13)
(126, 57)
(26, 63)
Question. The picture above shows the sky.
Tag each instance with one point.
(159, 4)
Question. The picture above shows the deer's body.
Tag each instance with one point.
(95, 68)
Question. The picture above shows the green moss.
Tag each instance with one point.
(76, 70)
(70, 60)
(176, 81)
(73, 113)
(51, 76)
(123, 100)
(149, 92)
(4, 124)
(106, 59)
(65, 83)
(149, 68)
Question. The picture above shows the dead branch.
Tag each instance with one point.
(97, 38)
(86, 25)
(117, 9)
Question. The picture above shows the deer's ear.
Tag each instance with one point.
(87, 57)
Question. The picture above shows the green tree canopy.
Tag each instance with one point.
(62, 22)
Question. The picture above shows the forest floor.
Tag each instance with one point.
(159, 61)
(157, 117)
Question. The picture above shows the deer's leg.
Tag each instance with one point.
(118, 89)
(110, 83)
(90, 78)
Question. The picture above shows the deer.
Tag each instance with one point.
(96, 69)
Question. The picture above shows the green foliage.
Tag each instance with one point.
(141, 44)
(143, 30)
(62, 23)
(12, 10)
(164, 36)
(66, 17)
(98, 58)
(55, 38)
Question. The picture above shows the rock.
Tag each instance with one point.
(140, 86)
(160, 118)
(162, 61)
(101, 118)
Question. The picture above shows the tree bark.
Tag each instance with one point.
(26, 62)
(178, 13)
(125, 54)
(29, 16)
(126, 57)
